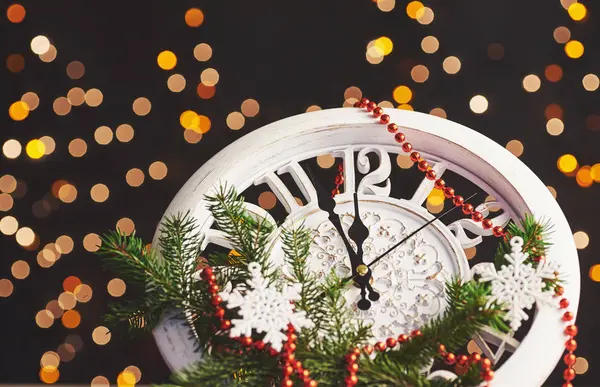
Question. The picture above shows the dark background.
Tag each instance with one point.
(287, 55)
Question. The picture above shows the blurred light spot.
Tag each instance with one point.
(430, 44)
(515, 147)
(567, 3)
(6, 202)
(77, 147)
(66, 352)
(419, 73)
(142, 106)
(18, 111)
(103, 135)
(205, 92)
(67, 300)
(192, 136)
(99, 193)
(6, 288)
(8, 183)
(235, 120)
(592, 122)
(101, 335)
(353, 92)
(21, 189)
(374, 54)
(595, 171)
(425, 16)
(20, 269)
(157, 170)
(189, 119)
(405, 106)
(567, 163)
(478, 104)
(439, 112)
(50, 359)
(404, 161)
(176, 83)
(385, 44)
(76, 96)
(553, 111)
(531, 83)
(15, 13)
(83, 293)
(581, 365)
(413, 8)
(313, 108)
(472, 347)
(75, 69)
(49, 375)
(582, 240)
(93, 97)
(574, 49)
(71, 319)
(451, 65)
(45, 263)
(9, 225)
(125, 226)
(166, 60)
(402, 94)
(25, 236)
(209, 77)
(386, 104)
(194, 17)
(591, 82)
(12, 149)
(495, 51)
(552, 191)
(126, 379)
(326, 161)
(124, 132)
(386, 5)
(594, 273)
(202, 52)
(267, 200)
(135, 371)
(75, 341)
(40, 45)
(31, 99)
(434, 209)
(584, 176)
(116, 287)
(15, 63)
(436, 197)
(134, 177)
(91, 242)
(250, 108)
(553, 73)
(577, 11)
(561, 34)
(44, 319)
(555, 126)
(100, 381)
(50, 55)
(49, 144)
(65, 244)
(61, 106)
(54, 308)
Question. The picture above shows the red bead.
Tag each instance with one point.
(334, 192)
(371, 106)
(571, 345)
(392, 128)
(352, 367)
(415, 157)
(564, 303)
(486, 364)
(378, 112)
(416, 333)
(475, 357)
(467, 208)
(487, 375)
(477, 216)
(289, 357)
(567, 385)
(212, 279)
(568, 316)
(458, 201)
(305, 375)
(399, 137)
(260, 345)
(380, 346)
(351, 358)
(430, 174)
(487, 224)
(571, 330)
(246, 341)
(402, 338)
(384, 119)
(450, 358)
(368, 349)
(423, 165)
(569, 359)
(364, 102)
(559, 290)
(339, 179)
(449, 192)
(292, 336)
(442, 350)
(462, 360)
(498, 231)
(298, 366)
(207, 272)
(290, 347)
(219, 312)
(569, 374)
(351, 380)
(212, 289)
(440, 184)
(310, 383)
(356, 351)
(357, 104)
(341, 167)
(273, 352)
(225, 324)
(216, 300)
(391, 342)
(407, 147)
(288, 370)
(287, 383)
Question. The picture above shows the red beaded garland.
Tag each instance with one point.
(487, 375)
(449, 192)
(568, 316)
(571, 345)
(351, 358)
(486, 364)
(213, 289)
(371, 106)
(416, 333)
(477, 216)
(380, 346)
(225, 324)
(311, 383)
(415, 157)
(559, 290)
(351, 380)
(219, 312)
(384, 119)
(352, 367)
(363, 102)
(391, 342)
(430, 174)
(442, 349)
(462, 360)
(423, 165)
(487, 224)
(571, 330)
(467, 209)
(260, 345)
(407, 147)
(288, 370)
(564, 303)
(458, 201)
(567, 385)
(569, 359)
(475, 357)
(440, 184)
(216, 300)
(569, 374)
(368, 349)
(287, 382)
(450, 358)
(498, 231)
(246, 340)
(356, 104)
(399, 137)
(392, 128)
(403, 338)
(378, 111)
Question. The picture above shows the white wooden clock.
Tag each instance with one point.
(411, 279)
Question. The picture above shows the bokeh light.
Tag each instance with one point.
(6, 287)
(176, 83)
(40, 45)
(555, 126)
(194, 17)
(91, 242)
(430, 44)
(478, 104)
(20, 269)
(15, 13)
(15, 63)
(93, 97)
(402, 94)
(61, 106)
(83, 293)
(12, 149)
(209, 77)
(451, 65)
(166, 60)
(584, 177)
(590, 82)
(267, 200)
(100, 381)
(99, 193)
(202, 52)
(413, 8)
(594, 273)
(134, 177)
(157, 170)
(49, 375)
(31, 99)
(18, 111)
(574, 49)
(235, 120)
(76, 96)
(75, 69)
(101, 335)
(71, 319)
(125, 226)
(49, 55)
(515, 147)
(577, 11)
(116, 287)
(561, 34)
(142, 106)
(567, 163)
(205, 92)
(77, 147)
(103, 135)
(582, 240)
(326, 161)
(250, 107)
(419, 73)
(553, 73)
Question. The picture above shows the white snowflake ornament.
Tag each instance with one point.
(265, 309)
(519, 285)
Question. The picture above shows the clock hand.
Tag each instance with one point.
(358, 232)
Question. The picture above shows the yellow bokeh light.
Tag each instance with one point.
(435, 197)
(35, 149)
(385, 44)
(402, 94)
(574, 48)
(595, 273)
(584, 176)
(406, 106)
(189, 119)
(167, 60)
(567, 163)
(18, 111)
(126, 379)
(595, 171)
(413, 8)
(49, 374)
(577, 11)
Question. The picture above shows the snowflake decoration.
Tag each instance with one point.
(519, 285)
(265, 309)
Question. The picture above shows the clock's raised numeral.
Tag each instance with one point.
(427, 185)
(368, 184)
(504, 342)
(458, 227)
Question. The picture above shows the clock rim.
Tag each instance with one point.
(468, 152)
